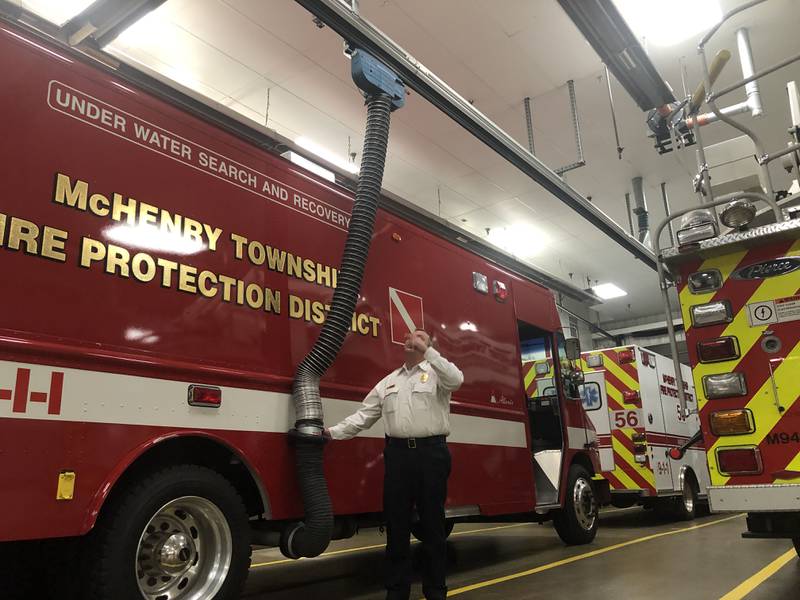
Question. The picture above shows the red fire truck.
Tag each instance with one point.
(162, 279)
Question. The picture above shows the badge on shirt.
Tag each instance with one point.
(423, 378)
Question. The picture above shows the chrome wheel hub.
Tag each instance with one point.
(584, 504)
(184, 552)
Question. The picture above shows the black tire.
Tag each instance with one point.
(191, 503)
(419, 534)
(685, 505)
(796, 542)
(576, 523)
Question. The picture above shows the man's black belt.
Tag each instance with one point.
(434, 440)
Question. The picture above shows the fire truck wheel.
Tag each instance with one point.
(576, 522)
(796, 542)
(685, 507)
(179, 533)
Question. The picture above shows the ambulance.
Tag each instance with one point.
(631, 396)
(164, 272)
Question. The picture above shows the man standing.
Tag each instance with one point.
(415, 403)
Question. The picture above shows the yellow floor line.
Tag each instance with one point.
(748, 585)
(375, 546)
(572, 559)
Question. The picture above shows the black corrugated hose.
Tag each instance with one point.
(312, 536)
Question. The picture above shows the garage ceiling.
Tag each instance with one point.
(272, 63)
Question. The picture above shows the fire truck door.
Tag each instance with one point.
(595, 403)
(574, 418)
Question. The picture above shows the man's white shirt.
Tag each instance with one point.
(413, 402)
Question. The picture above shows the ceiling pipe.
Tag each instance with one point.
(640, 210)
(748, 70)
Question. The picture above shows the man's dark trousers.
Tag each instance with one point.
(416, 476)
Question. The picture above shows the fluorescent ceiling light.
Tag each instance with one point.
(606, 291)
(326, 154)
(56, 11)
(302, 161)
(523, 241)
(669, 23)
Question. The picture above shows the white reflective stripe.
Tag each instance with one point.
(398, 304)
(97, 397)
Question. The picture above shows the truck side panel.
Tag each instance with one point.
(169, 253)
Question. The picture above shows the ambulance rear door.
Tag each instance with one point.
(660, 417)
(595, 402)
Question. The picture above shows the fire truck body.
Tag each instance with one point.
(741, 311)
(631, 397)
(163, 277)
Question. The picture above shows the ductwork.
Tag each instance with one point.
(311, 537)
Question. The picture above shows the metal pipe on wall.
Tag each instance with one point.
(748, 70)
(667, 210)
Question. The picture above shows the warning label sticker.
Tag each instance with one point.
(780, 310)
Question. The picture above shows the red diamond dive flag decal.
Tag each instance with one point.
(405, 314)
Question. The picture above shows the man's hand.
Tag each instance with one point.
(420, 341)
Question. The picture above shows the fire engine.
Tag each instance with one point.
(631, 396)
(737, 275)
(164, 274)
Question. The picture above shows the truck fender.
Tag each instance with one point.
(113, 477)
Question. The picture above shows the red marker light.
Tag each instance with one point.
(675, 453)
(205, 396)
(626, 357)
(631, 397)
(739, 461)
(718, 350)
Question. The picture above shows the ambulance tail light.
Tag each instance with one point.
(718, 350)
(626, 357)
(640, 453)
(712, 313)
(732, 422)
(631, 397)
(205, 396)
(703, 282)
(739, 461)
(724, 385)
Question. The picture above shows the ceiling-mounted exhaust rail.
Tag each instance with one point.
(576, 127)
(363, 34)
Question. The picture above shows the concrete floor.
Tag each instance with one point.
(705, 560)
